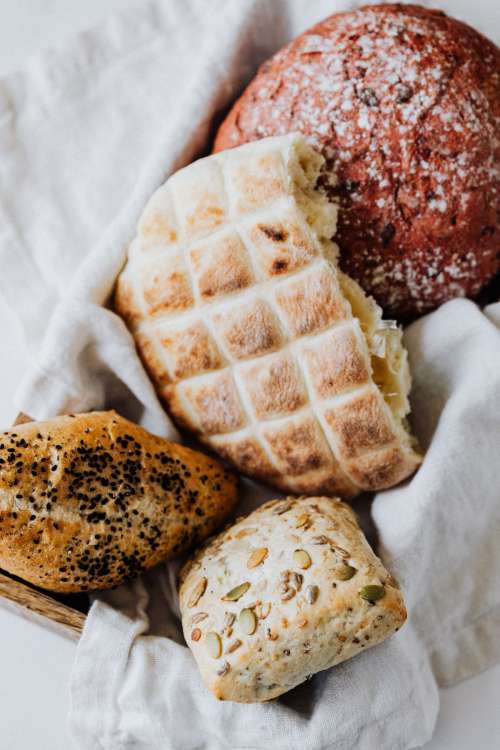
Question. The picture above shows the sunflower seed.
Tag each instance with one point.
(247, 621)
(263, 610)
(321, 539)
(233, 646)
(224, 669)
(229, 619)
(257, 556)
(270, 635)
(342, 552)
(198, 617)
(302, 622)
(312, 593)
(287, 595)
(282, 507)
(213, 644)
(197, 592)
(302, 559)
(236, 593)
(297, 579)
(196, 634)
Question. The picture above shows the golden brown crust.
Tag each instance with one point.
(360, 424)
(248, 330)
(244, 450)
(253, 349)
(274, 385)
(158, 224)
(255, 185)
(166, 286)
(199, 199)
(88, 500)
(283, 594)
(335, 362)
(190, 350)
(298, 445)
(311, 302)
(216, 403)
(221, 265)
(282, 242)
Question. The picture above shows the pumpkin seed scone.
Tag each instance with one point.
(256, 342)
(290, 590)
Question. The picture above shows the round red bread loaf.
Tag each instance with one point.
(404, 103)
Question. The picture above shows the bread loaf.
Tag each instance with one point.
(292, 589)
(404, 103)
(255, 341)
(88, 500)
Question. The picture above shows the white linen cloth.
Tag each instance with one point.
(86, 134)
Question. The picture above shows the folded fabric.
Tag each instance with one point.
(86, 134)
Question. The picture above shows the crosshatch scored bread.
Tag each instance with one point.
(88, 500)
(255, 340)
(290, 590)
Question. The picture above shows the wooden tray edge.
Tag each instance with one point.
(40, 608)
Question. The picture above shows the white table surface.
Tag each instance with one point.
(35, 664)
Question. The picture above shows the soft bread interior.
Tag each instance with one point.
(389, 359)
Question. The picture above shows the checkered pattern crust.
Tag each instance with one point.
(247, 328)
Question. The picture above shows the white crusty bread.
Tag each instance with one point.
(291, 590)
(88, 500)
(254, 339)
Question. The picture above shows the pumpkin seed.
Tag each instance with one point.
(197, 592)
(237, 592)
(372, 593)
(342, 552)
(312, 593)
(321, 539)
(196, 634)
(247, 621)
(302, 559)
(233, 646)
(198, 617)
(229, 618)
(224, 669)
(345, 572)
(257, 556)
(213, 644)
(263, 610)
